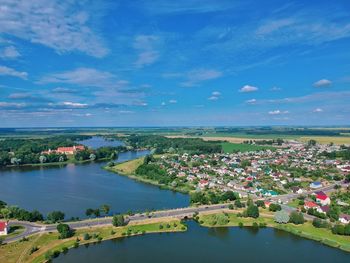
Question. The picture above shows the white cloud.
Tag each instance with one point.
(213, 98)
(88, 77)
(278, 112)
(6, 71)
(322, 83)
(216, 93)
(63, 26)
(275, 89)
(196, 76)
(317, 110)
(8, 105)
(163, 103)
(248, 88)
(9, 52)
(146, 46)
(173, 101)
(252, 101)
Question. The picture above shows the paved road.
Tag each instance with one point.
(33, 228)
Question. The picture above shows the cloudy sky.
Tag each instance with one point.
(184, 62)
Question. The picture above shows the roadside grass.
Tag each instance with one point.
(11, 253)
(306, 230)
(243, 147)
(294, 203)
(14, 231)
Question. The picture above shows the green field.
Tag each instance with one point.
(242, 147)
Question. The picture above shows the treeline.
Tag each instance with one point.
(28, 151)
(107, 152)
(265, 142)
(163, 144)
(210, 197)
(344, 154)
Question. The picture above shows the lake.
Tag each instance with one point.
(204, 245)
(75, 187)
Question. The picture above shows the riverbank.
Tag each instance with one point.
(306, 230)
(49, 243)
(128, 169)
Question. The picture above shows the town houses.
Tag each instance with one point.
(65, 150)
(295, 169)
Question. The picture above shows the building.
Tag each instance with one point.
(315, 185)
(308, 205)
(66, 150)
(345, 219)
(3, 228)
(322, 198)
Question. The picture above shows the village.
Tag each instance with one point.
(294, 170)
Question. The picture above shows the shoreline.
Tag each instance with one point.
(115, 170)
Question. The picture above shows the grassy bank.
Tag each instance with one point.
(49, 242)
(306, 230)
(128, 169)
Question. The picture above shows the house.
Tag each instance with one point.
(323, 209)
(315, 185)
(3, 228)
(297, 190)
(322, 198)
(203, 183)
(309, 204)
(345, 219)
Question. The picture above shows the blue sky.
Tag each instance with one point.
(184, 62)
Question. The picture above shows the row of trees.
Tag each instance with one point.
(211, 197)
(163, 144)
(104, 209)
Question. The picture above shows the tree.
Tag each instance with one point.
(65, 231)
(281, 217)
(92, 157)
(97, 212)
(42, 159)
(296, 218)
(275, 207)
(55, 216)
(89, 212)
(105, 209)
(311, 143)
(253, 211)
(118, 220)
(260, 203)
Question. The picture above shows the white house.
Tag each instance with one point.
(3, 228)
(345, 219)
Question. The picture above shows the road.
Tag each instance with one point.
(34, 228)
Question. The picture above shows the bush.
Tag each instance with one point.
(231, 207)
(318, 223)
(86, 236)
(118, 220)
(65, 231)
(275, 207)
(160, 226)
(296, 218)
(240, 224)
(76, 244)
(33, 249)
(64, 250)
(253, 211)
(281, 217)
(255, 225)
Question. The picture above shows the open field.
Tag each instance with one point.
(20, 251)
(242, 147)
(128, 167)
(327, 139)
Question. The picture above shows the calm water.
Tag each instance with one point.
(202, 245)
(96, 142)
(74, 188)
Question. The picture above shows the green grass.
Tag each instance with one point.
(242, 147)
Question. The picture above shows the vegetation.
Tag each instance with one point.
(281, 217)
(55, 216)
(243, 147)
(296, 218)
(118, 220)
(64, 231)
(163, 144)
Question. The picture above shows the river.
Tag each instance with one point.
(204, 245)
(73, 188)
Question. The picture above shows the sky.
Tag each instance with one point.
(100, 63)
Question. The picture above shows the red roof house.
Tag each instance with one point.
(3, 228)
(309, 204)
